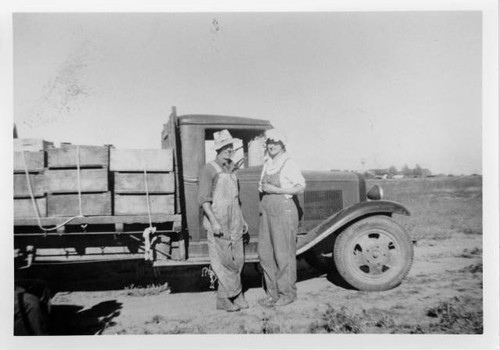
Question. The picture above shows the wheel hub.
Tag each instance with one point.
(376, 255)
(373, 255)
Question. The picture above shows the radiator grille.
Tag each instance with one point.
(321, 204)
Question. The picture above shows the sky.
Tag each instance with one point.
(351, 90)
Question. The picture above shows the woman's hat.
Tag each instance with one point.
(222, 138)
(275, 135)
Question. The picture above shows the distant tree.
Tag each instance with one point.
(417, 171)
(392, 170)
(426, 172)
(406, 171)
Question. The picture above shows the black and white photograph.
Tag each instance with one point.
(310, 175)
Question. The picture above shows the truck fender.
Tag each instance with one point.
(344, 217)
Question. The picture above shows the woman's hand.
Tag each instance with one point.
(268, 188)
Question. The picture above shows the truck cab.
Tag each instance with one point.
(330, 205)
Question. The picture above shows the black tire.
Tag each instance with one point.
(373, 254)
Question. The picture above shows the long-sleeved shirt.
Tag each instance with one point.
(290, 175)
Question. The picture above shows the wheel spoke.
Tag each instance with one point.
(358, 259)
(385, 241)
(376, 269)
(365, 241)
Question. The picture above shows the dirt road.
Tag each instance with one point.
(441, 294)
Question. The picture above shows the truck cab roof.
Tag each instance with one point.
(214, 120)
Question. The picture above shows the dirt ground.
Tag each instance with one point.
(441, 294)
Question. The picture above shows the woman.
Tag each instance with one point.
(281, 179)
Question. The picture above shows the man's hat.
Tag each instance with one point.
(222, 138)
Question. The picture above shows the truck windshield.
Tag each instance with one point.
(249, 146)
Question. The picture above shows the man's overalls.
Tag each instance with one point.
(278, 240)
(226, 252)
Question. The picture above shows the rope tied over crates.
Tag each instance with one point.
(148, 234)
(33, 200)
(84, 226)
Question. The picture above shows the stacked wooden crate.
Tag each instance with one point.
(143, 181)
(29, 157)
(78, 176)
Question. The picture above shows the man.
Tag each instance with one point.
(224, 223)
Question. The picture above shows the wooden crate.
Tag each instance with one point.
(31, 145)
(132, 204)
(66, 181)
(23, 208)
(93, 204)
(138, 160)
(136, 183)
(89, 156)
(35, 161)
(21, 186)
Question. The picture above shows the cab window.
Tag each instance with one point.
(249, 146)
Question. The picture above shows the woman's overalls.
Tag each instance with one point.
(226, 252)
(278, 240)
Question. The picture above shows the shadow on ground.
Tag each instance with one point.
(72, 320)
(118, 275)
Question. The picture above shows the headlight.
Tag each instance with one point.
(375, 193)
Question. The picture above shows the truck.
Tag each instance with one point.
(344, 225)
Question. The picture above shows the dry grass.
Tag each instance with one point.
(333, 321)
(151, 289)
(440, 207)
(456, 316)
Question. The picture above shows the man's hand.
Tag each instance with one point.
(214, 224)
(246, 238)
(217, 229)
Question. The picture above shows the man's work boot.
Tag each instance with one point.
(241, 301)
(282, 301)
(226, 304)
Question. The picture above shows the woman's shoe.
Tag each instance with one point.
(282, 301)
(267, 302)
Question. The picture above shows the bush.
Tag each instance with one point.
(455, 317)
(333, 321)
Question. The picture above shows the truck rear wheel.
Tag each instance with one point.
(373, 254)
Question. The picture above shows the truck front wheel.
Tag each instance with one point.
(373, 254)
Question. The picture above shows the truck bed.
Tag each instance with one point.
(99, 220)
